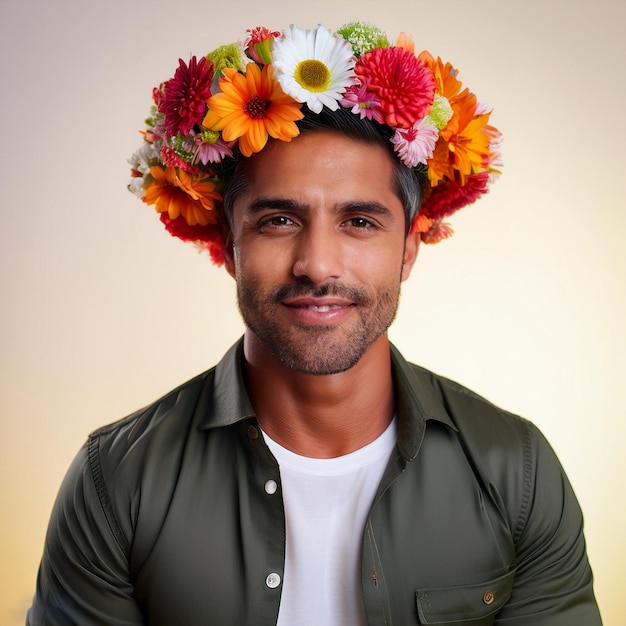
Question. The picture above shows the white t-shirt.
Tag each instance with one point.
(326, 505)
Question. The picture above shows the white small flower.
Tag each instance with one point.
(313, 66)
(137, 186)
(145, 157)
(141, 161)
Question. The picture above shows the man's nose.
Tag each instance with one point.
(318, 254)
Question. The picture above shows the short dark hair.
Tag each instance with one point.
(343, 121)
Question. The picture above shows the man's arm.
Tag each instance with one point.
(83, 577)
(553, 581)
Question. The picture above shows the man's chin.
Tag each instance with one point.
(318, 356)
(317, 368)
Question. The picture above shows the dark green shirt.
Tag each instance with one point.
(163, 518)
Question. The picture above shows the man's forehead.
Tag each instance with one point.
(318, 152)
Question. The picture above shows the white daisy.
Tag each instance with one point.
(313, 66)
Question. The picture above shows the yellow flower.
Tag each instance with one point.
(177, 193)
(252, 107)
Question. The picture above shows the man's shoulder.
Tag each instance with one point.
(497, 440)
(504, 449)
(467, 409)
(173, 413)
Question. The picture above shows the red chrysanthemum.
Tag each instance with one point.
(208, 237)
(402, 83)
(185, 95)
(447, 198)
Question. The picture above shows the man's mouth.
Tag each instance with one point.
(323, 308)
(321, 297)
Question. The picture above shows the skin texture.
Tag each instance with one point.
(319, 253)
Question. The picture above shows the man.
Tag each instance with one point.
(314, 476)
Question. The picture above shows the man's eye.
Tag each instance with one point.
(359, 222)
(276, 220)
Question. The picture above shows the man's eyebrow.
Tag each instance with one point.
(365, 207)
(282, 204)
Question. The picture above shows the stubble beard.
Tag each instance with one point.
(313, 349)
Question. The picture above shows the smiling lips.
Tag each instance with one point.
(324, 308)
(319, 309)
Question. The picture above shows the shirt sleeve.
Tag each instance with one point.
(83, 577)
(553, 580)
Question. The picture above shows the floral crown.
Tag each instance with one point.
(238, 96)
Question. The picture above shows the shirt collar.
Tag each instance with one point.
(227, 402)
(417, 400)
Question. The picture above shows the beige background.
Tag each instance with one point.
(101, 311)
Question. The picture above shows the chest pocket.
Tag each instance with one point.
(470, 605)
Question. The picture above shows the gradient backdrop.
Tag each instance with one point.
(101, 311)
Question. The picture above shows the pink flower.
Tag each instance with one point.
(362, 102)
(416, 144)
(402, 83)
(185, 96)
(213, 152)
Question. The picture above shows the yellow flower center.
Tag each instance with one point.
(312, 75)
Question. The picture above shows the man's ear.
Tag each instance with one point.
(411, 250)
(229, 255)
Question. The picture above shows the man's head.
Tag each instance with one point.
(220, 109)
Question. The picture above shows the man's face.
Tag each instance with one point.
(319, 250)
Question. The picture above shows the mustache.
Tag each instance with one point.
(307, 289)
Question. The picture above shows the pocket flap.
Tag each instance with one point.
(464, 603)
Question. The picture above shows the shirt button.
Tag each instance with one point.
(272, 580)
(271, 487)
(489, 596)
(253, 432)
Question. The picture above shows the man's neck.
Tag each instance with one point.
(321, 416)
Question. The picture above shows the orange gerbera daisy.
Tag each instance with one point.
(178, 193)
(463, 144)
(252, 108)
(446, 82)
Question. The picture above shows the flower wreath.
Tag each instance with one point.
(238, 96)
